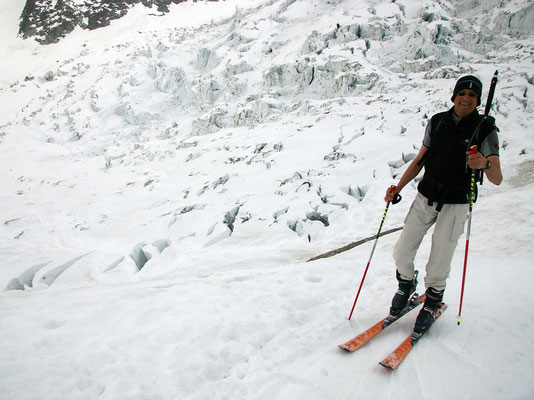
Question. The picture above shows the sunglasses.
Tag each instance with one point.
(462, 94)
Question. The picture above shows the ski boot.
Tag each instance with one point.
(427, 315)
(405, 291)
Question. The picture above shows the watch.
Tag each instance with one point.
(488, 166)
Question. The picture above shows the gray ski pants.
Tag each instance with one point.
(449, 226)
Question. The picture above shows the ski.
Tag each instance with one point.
(399, 354)
(364, 337)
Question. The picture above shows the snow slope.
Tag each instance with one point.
(166, 179)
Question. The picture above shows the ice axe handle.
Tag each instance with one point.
(491, 93)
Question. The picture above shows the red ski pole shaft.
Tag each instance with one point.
(459, 317)
(372, 252)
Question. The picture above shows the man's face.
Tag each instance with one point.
(465, 102)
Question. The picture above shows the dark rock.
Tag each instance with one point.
(49, 23)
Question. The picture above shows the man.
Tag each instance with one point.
(444, 193)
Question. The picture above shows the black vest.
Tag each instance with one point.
(447, 177)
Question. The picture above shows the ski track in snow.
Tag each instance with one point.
(165, 179)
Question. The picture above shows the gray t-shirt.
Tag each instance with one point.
(489, 147)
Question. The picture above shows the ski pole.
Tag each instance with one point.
(473, 150)
(396, 199)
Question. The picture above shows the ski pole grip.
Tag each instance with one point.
(473, 149)
(396, 197)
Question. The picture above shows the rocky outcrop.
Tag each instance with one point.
(48, 21)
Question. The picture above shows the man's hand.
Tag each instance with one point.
(476, 160)
(392, 195)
